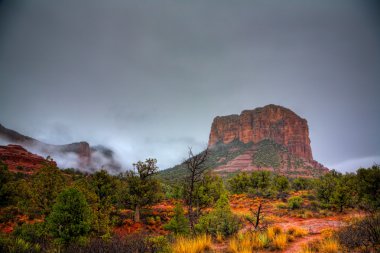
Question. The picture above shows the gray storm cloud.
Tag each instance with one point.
(147, 77)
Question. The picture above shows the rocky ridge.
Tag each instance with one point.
(18, 159)
(79, 155)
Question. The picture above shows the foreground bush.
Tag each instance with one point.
(136, 243)
(18, 245)
(363, 235)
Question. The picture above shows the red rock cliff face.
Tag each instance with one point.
(270, 122)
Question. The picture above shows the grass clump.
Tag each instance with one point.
(248, 241)
(197, 244)
(329, 246)
(297, 231)
(280, 241)
(272, 238)
(272, 232)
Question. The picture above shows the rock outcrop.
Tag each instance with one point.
(270, 122)
(79, 155)
(18, 159)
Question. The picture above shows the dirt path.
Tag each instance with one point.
(297, 246)
(314, 226)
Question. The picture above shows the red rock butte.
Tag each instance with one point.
(272, 122)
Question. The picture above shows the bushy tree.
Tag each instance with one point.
(260, 184)
(345, 193)
(179, 224)
(300, 183)
(281, 184)
(141, 187)
(47, 183)
(368, 182)
(326, 186)
(261, 179)
(103, 185)
(337, 190)
(240, 183)
(70, 218)
(207, 192)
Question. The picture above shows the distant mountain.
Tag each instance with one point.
(79, 155)
(270, 138)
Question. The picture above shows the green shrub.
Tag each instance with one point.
(314, 205)
(295, 202)
(179, 224)
(220, 221)
(159, 244)
(281, 206)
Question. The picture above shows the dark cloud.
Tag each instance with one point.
(147, 77)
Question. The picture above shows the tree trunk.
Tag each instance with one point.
(190, 209)
(258, 216)
(137, 213)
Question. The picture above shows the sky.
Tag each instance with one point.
(146, 78)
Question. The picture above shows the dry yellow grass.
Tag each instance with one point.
(198, 244)
(270, 233)
(219, 237)
(327, 232)
(273, 231)
(297, 231)
(248, 241)
(306, 249)
(329, 246)
(280, 241)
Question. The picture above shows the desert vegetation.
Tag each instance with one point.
(65, 210)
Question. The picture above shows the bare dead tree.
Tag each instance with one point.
(196, 167)
(257, 218)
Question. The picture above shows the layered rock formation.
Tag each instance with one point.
(270, 122)
(18, 159)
